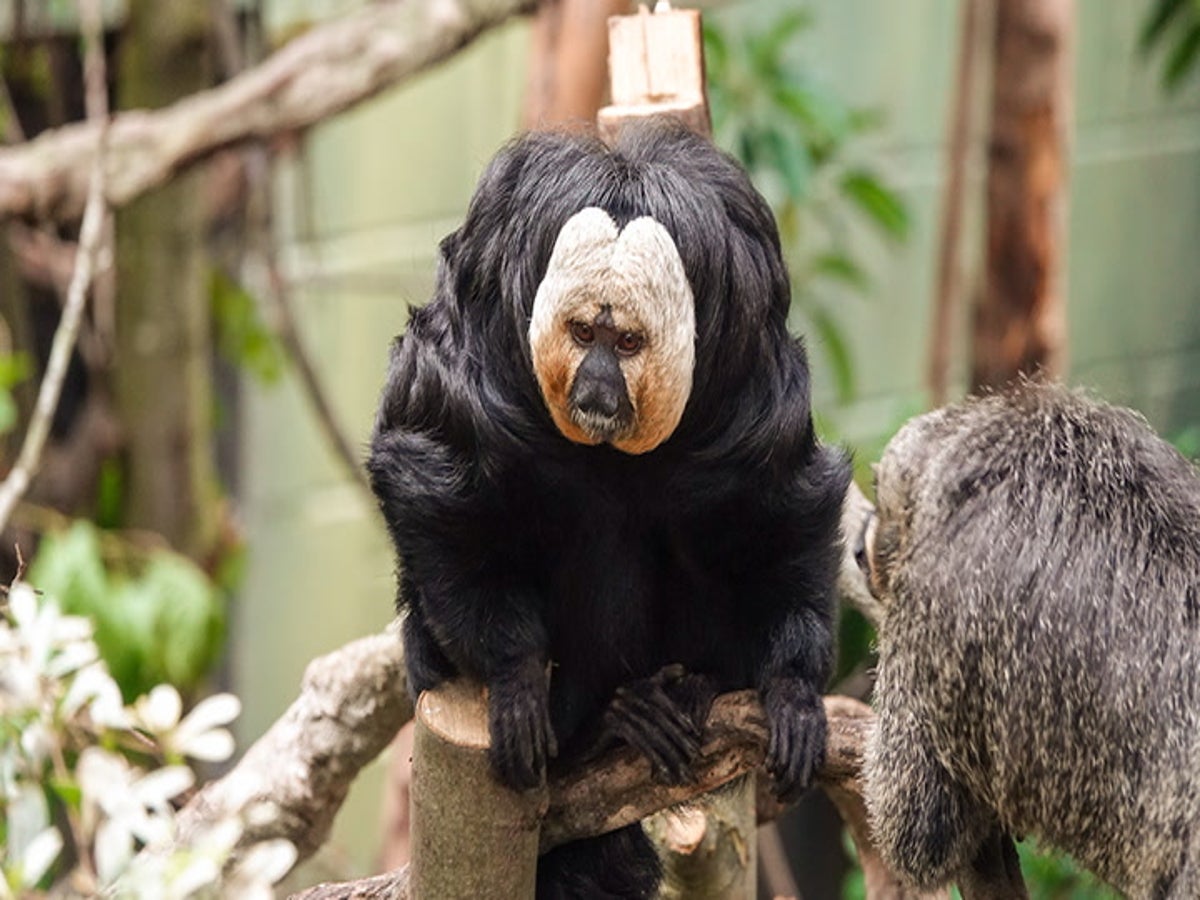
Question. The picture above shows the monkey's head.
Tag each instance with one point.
(613, 333)
(627, 296)
(907, 468)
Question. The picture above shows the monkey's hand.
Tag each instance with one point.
(663, 718)
(796, 716)
(519, 719)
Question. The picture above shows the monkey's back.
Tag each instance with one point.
(1050, 577)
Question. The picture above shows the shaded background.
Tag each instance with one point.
(361, 202)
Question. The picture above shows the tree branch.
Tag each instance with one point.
(86, 260)
(292, 782)
(324, 72)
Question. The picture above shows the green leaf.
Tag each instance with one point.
(790, 158)
(188, 623)
(110, 494)
(1182, 58)
(68, 567)
(766, 49)
(241, 335)
(68, 792)
(840, 267)
(824, 119)
(164, 625)
(716, 49)
(1156, 23)
(879, 203)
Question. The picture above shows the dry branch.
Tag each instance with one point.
(292, 782)
(324, 72)
(617, 789)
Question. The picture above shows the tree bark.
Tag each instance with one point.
(471, 836)
(324, 72)
(568, 63)
(710, 849)
(163, 387)
(947, 301)
(1020, 327)
(295, 777)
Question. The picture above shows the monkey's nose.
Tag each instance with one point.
(599, 400)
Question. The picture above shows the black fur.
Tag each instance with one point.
(716, 552)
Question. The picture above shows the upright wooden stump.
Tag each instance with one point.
(709, 850)
(655, 68)
(471, 837)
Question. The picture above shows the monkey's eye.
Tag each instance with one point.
(629, 343)
(583, 333)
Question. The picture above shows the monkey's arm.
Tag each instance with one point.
(466, 607)
(796, 578)
(797, 668)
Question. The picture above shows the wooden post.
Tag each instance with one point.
(568, 77)
(1021, 325)
(471, 837)
(709, 850)
(655, 67)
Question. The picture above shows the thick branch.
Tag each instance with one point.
(324, 72)
(294, 779)
(617, 789)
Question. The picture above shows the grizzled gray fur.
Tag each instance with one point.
(1037, 555)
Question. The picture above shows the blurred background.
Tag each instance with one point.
(967, 189)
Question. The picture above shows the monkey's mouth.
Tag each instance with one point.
(601, 429)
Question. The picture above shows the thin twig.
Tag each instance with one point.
(90, 233)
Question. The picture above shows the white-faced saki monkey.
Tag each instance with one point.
(596, 459)
(1037, 555)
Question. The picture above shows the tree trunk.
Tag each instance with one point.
(163, 384)
(568, 63)
(1020, 327)
(471, 837)
(709, 849)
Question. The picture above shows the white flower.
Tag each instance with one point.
(200, 734)
(94, 686)
(39, 648)
(158, 711)
(260, 867)
(32, 843)
(126, 806)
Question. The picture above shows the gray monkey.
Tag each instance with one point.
(1037, 557)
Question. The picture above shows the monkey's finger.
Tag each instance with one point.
(668, 674)
(643, 731)
(666, 765)
(550, 736)
(655, 704)
(640, 728)
(662, 717)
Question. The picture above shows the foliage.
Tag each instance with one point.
(1175, 26)
(159, 620)
(1058, 878)
(13, 370)
(241, 335)
(88, 785)
(792, 134)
